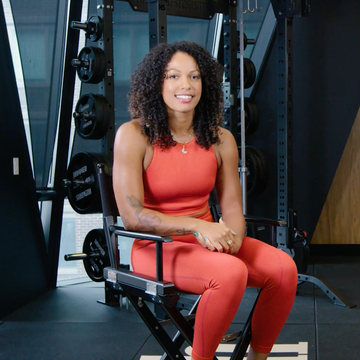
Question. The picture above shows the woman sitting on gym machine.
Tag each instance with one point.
(167, 159)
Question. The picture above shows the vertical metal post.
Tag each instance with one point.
(285, 126)
(65, 118)
(105, 10)
(285, 11)
(159, 263)
(157, 22)
(243, 168)
(230, 69)
(158, 34)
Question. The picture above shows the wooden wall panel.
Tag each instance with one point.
(339, 221)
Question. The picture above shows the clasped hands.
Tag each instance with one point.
(221, 238)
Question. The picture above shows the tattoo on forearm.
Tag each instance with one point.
(148, 220)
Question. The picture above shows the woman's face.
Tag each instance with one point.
(182, 85)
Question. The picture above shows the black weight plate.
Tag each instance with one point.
(252, 118)
(93, 65)
(264, 171)
(83, 188)
(262, 175)
(257, 174)
(252, 175)
(95, 242)
(92, 116)
(249, 73)
(95, 33)
(245, 41)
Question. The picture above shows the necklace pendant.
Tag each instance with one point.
(183, 150)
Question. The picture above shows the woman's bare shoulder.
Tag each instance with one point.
(130, 131)
(226, 139)
(132, 127)
(225, 134)
(227, 147)
(131, 145)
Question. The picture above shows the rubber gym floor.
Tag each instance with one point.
(68, 323)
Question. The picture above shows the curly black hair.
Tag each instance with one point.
(146, 102)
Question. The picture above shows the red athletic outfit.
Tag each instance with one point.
(178, 185)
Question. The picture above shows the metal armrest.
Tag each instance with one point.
(265, 221)
(137, 284)
(159, 240)
(119, 230)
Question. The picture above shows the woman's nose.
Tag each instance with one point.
(185, 83)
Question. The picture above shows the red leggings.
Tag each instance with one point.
(222, 279)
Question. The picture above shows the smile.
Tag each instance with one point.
(185, 97)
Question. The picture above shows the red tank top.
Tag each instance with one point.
(178, 184)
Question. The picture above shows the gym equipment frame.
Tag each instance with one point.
(285, 12)
(233, 13)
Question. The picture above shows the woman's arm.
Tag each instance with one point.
(132, 154)
(228, 187)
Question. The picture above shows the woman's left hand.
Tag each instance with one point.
(229, 241)
(235, 243)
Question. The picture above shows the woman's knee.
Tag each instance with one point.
(239, 271)
(289, 273)
(232, 273)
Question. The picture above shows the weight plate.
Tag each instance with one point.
(92, 116)
(82, 183)
(249, 73)
(258, 172)
(251, 116)
(90, 65)
(95, 243)
(263, 172)
(245, 41)
(96, 26)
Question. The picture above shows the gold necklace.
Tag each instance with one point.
(183, 144)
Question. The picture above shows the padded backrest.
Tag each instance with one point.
(214, 205)
(108, 202)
